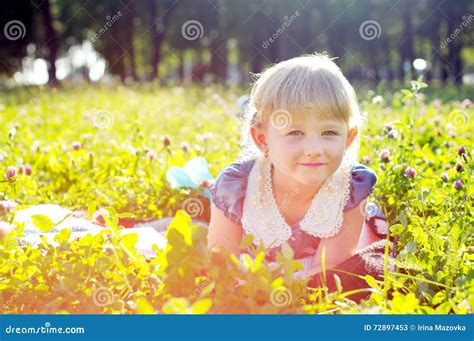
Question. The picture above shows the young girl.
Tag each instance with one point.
(298, 180)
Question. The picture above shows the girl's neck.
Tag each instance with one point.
(291, 190)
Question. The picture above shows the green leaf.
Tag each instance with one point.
(91, 209)
(42, 222)
(287, 251)
(411, 246)
(144, 307)
(439, 297)
(377, 298)
(247, 261)
(182, 225)
(337, 280)
(417, 203)
(129, 240)
(126, 215)
(202, 306)
(397, 229)
(402, 303)
(403, 218)
(406, 98)
(63, 236)
(443, 308)
(372, 282)
(415, 86)
(246, 241)
(277, 282)
(175, 306)
(113, 217)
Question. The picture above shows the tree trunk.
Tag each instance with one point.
(129, 43)
(452, 63)
(219, 61)
(199, 68)
(256, 64)
(118, 66)
(156, 41)
(406, 48)
(181, 66)
(158, 30)
(458, 65)
(52, 41)
(455, 48)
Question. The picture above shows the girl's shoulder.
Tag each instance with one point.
(363, 180)
(228, 191)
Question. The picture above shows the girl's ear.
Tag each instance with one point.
(258, 136)
(352, 134)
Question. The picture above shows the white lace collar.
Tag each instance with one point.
(263, 220)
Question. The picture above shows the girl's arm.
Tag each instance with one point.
(344, 244)
(224, 232)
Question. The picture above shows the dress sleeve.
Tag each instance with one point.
(228, 192)
(362, 185)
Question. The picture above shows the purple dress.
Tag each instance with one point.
(228, 193)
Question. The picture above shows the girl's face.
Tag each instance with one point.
(307, 151)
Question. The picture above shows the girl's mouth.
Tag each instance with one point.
(313, 164)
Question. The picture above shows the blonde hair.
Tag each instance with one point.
(307, 86)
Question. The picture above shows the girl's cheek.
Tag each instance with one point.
(334, 147)
(296, 149)
(289, 146)
(331, 144)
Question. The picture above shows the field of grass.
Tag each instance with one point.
(110, 147)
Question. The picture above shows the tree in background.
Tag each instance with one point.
(147, 40)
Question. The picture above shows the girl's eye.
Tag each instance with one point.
(300, 133)
(330, 133)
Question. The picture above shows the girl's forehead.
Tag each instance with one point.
(311, 121)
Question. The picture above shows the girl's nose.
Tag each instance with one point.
(313, 147)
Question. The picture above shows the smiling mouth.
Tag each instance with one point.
(313, 164)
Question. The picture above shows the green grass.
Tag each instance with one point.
(118, 126)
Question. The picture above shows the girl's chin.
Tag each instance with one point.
(313, 176)
(310, 181)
